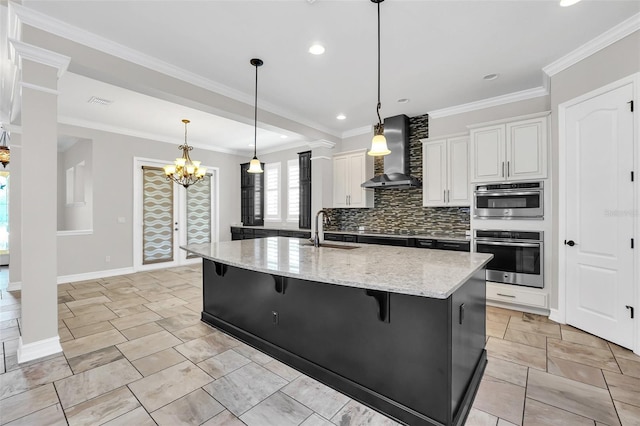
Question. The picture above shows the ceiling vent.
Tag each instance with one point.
(99, 101)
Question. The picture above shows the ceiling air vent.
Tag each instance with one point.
(99, 101)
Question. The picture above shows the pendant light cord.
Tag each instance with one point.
(255, 118)
(379, 105)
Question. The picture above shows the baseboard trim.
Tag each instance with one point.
(62, 279)
(555, 315)
(41, 348)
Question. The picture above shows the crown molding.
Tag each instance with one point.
(36, 19)
(322, 143)
(357, 132)
(20, 51)
(605, 39)
(71, 121)
(39, 88)
(490, 102)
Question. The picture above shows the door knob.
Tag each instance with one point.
(569, 243)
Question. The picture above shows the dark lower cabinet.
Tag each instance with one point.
(416, 359)
(387, 241)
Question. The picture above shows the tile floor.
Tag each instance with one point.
(136, 353)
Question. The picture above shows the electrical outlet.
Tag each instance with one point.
(107, 259)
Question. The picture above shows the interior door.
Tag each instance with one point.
(599, 215)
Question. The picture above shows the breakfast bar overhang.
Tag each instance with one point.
(399, 329)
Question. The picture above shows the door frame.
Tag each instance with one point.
(560, 314)
(180, 212)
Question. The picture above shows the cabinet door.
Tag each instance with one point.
(340, 181)
(458, 172)
(527, 149)
(488, 154)
(357, 175)
(434, 166)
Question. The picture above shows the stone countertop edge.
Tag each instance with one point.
(404, 270)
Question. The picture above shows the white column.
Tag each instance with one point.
(321, 177)
(39, 73)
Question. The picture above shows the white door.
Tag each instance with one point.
(434, 185)
(168, 216)
(458, 172)
(599, 215)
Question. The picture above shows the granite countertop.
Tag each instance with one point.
(405, 270)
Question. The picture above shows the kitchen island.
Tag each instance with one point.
(399, 329)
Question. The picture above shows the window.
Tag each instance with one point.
(293, 190)
(272, 191)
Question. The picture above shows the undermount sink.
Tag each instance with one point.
(329, 245)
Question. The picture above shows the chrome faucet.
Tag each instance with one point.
(326, 221)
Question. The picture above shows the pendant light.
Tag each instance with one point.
(379, 142)
(5, 152)
(184, 171)
(254, 165)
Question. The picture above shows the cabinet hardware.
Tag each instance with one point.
(632, 243)
(506, 295)
(630, 308)
(448, 196)
(503, 169)
(632, 178)
(444, 195)
(461, 316)
(630, 105)
(508, 167)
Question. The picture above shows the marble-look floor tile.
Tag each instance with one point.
(33, 375)
(583, 338)
(134, 320)
(156, 293)
(64, 334)
(9, 333)
(92, 383)
(25, 403)
(131, 310)
(94, 359)
(503, 422)
(576, 397)
(87, 319)
(537, 413)
(166, 386)
(629, 367)
(529, 339)
(282, 370)
(595, 357)
(317, 396)
(147, 345)
(355, 414)
(518, 353)
(223, 364)
(158, 361)
(175, 311)
(623, 388)
(480, 418)
(8, 324)
(225, 419)
(578, 372)
(277, 410)
(166, 304)
(501, 399)
(620, 352)
(50, 416)
(141, 330)
(90, 309)
(535, 327)
(245, 387)
(493, 311)
(99, 300)
(134, 300)
(137, 417)
(92, 343)
(192, 409)
(527, 316)
(198, 350)
(629, 414)
(103, 408)
(496, 329)
(88, 330)
(179, 322)
(250, 352)
(507, 371)
(193, 332)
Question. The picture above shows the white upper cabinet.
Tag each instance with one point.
(509, 151)
(445, 165)
(350, 170)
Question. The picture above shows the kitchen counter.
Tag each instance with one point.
(399, 329)
(404, 270)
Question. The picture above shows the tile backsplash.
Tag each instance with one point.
(401, 210)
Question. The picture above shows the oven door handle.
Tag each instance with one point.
(491, 243)
(506, 193)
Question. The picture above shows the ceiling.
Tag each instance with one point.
(434, 53)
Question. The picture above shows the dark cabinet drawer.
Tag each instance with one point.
(294, 234)
(350, 239)
(388, 241)
(263, 233)
(333, 237)
(454, 245)
(423, 243)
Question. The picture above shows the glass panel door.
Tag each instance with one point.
(158, 220)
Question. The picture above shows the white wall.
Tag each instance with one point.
(77, 216)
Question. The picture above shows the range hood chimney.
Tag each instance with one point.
(396, 165)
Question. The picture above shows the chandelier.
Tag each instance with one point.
(4, 149)
(185, 171)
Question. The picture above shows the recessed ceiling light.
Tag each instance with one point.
(490, 77)
(99, 101)
(283, 136)
(565, 3)
(316, 49)
(341, 117)
(403, 100)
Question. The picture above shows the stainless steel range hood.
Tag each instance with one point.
(396, 165)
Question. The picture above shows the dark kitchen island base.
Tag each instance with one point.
(416, 359)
